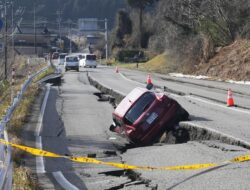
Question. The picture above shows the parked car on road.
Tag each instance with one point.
(142, 116)
(61, 58)
(88, 60)
(71, 63)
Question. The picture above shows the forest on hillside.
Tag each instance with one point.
(189, 31)
(73, 9)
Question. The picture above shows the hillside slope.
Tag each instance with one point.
(190, 34)
(230, 62)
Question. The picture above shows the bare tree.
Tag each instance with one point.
(140, 5)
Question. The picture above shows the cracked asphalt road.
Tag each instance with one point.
(76, 123)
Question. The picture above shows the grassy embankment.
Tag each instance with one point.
(22, 178)
(159, 64)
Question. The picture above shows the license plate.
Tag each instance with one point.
(151, 118)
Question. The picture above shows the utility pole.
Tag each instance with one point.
(106, 37)
(70, 36)
(5, 42)
(12, 26)
(59, 25)
(35, 48)
(59, 20)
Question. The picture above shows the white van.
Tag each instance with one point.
(88, 60)
(71, 63)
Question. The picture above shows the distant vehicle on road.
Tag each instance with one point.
(71, 63)
(61, 58)
(55, 55)
(142, 116)
(88, 60)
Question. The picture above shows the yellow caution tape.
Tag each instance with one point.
(38, 152)
(33, 151)
(190, 167)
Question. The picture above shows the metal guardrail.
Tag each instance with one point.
(6, 171)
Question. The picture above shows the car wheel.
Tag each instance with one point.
(112, 127)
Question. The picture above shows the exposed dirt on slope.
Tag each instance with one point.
(230, 62)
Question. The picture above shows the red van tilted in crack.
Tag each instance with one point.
(142, 116)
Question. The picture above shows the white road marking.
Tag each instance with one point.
(63, 181)
(39, 159)
(219, 105)
(131, 80)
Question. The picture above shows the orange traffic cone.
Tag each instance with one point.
(149, 81)
(230, 100)
(116, 70)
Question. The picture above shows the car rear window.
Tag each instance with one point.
(91, 57)
(62, 56)
(55, 55)
(139, 107)
(71, 59)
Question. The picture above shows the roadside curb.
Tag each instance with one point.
(205, 133)
(116, 94)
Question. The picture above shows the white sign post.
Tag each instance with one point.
(1, 47)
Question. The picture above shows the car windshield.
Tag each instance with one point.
(139, 107)
(91, 57)
(71, 59)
